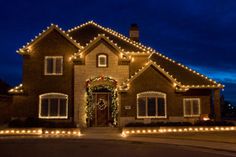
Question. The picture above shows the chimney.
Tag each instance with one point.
(134, 32)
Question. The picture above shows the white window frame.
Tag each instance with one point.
(151, 94)
(191, 102)
(53, 95)
(99, 63)
(54, 65)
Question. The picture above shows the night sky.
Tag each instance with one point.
(198, 33)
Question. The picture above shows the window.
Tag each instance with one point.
(191, 107)
(53, 106)
(102, 60)
(53, 65)
(151, 105)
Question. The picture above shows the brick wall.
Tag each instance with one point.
(153, 80)
(90, 70)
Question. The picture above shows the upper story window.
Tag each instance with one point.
(102, 60)
(191, 107)
(53, 106)
(53, 65)
(151, 105)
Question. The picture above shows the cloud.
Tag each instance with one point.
(228, 76)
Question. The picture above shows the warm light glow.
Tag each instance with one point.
(180, 130)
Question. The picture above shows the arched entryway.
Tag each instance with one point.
(102, 104)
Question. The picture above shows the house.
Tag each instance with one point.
(94, 76)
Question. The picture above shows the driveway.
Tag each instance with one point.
(62, 147)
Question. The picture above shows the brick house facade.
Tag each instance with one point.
(93, 76)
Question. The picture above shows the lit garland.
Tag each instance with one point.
(111, 87)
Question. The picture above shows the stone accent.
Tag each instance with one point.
(90, 70)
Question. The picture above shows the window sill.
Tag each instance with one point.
(191, 116)
(53, 74)
(53, 118)
(151, 117)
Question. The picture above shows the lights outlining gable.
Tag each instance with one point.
(179, 86)
(125, 85)
(82, 52)
(112, 32)
(26, 49)
(146, 50)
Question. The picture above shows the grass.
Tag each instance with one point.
(228, 137)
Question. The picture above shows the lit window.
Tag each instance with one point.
(191, 107)
(151, 105)
(102, 60)
(53, 65)
(53, 106)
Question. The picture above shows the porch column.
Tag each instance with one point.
(216, 101)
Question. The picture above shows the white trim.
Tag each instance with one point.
(99, 63)
(54, 65)
(53, 95)
(151, 94)
(191, 103)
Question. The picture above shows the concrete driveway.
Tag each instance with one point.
(66, 147)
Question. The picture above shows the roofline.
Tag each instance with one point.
(112, 32)
(144, 68)
(26, 48)
(100, 37)
(189, 69)
(175, 82)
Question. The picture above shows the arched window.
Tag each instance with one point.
(53, 106)
(151, 104)
(102, 60)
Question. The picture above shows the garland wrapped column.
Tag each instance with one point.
(111, 86)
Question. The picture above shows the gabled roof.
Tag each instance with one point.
(86, 32)
(184, 76)
(125, 84)
(188, 77)
(181, 76)
(99, 38)
(26, 48)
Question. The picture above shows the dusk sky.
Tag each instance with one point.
(198, 33)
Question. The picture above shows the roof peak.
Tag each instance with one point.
(24, 49)
(115, 33)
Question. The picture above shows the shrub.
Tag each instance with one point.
(159, 124)
(213, 123)
(197, 123)
(35, 122)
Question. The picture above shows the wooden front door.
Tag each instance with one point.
(102, 108)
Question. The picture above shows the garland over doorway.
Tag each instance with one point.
(98, 83)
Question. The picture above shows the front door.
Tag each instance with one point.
(102, 109)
